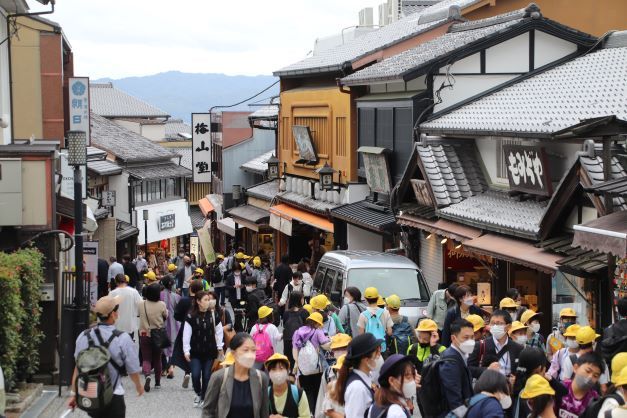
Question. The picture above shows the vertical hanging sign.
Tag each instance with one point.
(201, 147)
(78, 91)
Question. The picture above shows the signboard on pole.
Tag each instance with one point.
(67, 177)
(79, 105)
(108, 198)
(201, 147)
(527, 169)
(90, 255)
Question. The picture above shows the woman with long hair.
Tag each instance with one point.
(353, 388)
(540, 397)
(152, 315)
(239, 390)
(397, 385)
(202, 342)
(172, 326)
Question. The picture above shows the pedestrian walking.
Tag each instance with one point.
(285, 399)
(202, 342)
(351, 309)
(102, 275)
(152, 316)
(614, 404)
(374, 319)
(130, 270)
(569, 351)
(295, 285)
(293, 319)
(236, 286)
(123, 356)
(425, 350)
(183, 308)
(439, 304)
(218, 275)
(557, 340)
(239, 390)
(539, 395)
(115, 268)
(581, 389)
(353, 389)
(282, 276)
(172, 326)
(491, 398)
(184, 276)
(397, 386)
(331, 322)
(303, 268)
(465, 305)
(339, 347)
(254, 300)
(266, 336)
(531, 319)
(306, 344)
(129, 306)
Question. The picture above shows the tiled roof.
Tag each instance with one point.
(258, 164)
(177, 129)
(315, 205)
(106, 100)
(496, 211)
(269, 112)
(362, 214)
(104, 167)
(196, 216)
(124, 230)
(453, 171)
(186, 157)
(265, 191)
(409, 7)
(159, 171)
(593, 168)
(590, 86)
(124, 144)
(249, 213)
(459, 36)
(333, 59)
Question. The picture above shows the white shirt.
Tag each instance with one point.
(610, 404)
(307, 284)
(284, 295)
(567, 370)
(357, 396)
(504, 361)
(272, 331)
(127, 312)
(186, 275)
(187, 337)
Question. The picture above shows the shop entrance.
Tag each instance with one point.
(472, 270)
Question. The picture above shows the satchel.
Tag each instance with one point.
(158, 336)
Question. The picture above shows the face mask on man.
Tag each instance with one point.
(498, 331)
(249, 288)
(467, 346)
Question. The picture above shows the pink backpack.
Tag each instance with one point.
(263, 343)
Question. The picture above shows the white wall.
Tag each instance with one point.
(548, 48)
(5, 94)
(466, 86)
(361, 239)
(119, 183)
(153, 132)
(131, 126)
(511, 56)
(470, 64)
(431, 261)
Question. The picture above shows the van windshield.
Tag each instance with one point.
(406, 283)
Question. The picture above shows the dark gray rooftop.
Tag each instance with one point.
(333, 59)
(265, 191)
(158, 171)
(362, 214)
(124, 144)
(593, 168)
(593, 85)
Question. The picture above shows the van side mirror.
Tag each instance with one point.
(336, 298)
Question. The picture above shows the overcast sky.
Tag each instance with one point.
(121, 38)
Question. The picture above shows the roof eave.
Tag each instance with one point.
(307, 71)
(483, 132)
(534, 236)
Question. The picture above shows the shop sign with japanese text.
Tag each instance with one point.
(527, 169)
(79, 105)
(201, 147)
(166, 221)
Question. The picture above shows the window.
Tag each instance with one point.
(407, 283)
(318, 279)
(501, 164)
(575, 292)
(328, 281)
(339, 279)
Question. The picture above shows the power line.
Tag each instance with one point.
(246, 100)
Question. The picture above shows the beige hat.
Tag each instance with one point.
(106, 305)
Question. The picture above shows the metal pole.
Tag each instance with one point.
(146, 239)
(78, 238)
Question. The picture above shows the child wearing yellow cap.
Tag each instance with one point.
(540, 397)
(265, 335)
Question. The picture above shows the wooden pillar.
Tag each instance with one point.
(605, 287)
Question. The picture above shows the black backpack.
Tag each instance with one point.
(592, 411)
(291, 322)
(276, 314)
(614, 341)
(430, 395)
(216, 276)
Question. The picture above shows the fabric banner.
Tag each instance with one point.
(205, 243)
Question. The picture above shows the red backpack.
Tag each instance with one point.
(264, 344)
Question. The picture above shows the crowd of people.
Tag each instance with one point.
(283, 351)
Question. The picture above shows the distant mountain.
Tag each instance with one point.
(180, 94)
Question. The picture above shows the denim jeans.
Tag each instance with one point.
(185, 292)
(221, 295)
(201, 372)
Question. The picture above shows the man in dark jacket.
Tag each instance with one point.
(498, 347)
(455, 377)
(614, 338)
(282, 276)
(255, 298)
(130, 270)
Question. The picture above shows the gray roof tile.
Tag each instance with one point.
(177, 129)
(594, 169)
(258, 164)
(159, 171)
(186, 156)
(265, 191)
(106, 100)
(496, 211)
(124, 144)
(361, 214)
(331, 60)
(590, 86)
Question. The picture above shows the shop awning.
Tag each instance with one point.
(366, 215)
(442, 227)
(250, 216)
(607, 234)
(514, 251)
(205, 206)
(289, 213)
(226, 225)
(124, 230)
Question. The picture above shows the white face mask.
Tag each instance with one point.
(469, 301)
(249, 288)
(409, 389)
(212, 304)
(506, 402)
(497, 331)
(246, 360)
(346, 300)
(278, 377)
(535, 327)
(521, 339)
(571, 343)
(467, 346)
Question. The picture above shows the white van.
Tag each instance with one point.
(389, 273)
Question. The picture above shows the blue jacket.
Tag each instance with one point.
(455, 379)
(453, 314)
(488, 407)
